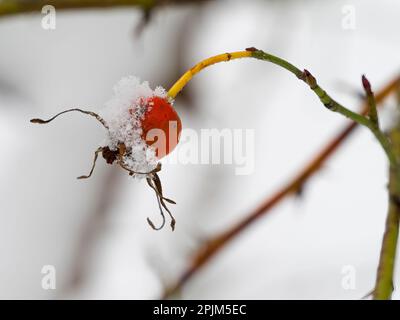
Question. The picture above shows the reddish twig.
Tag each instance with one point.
(213, 246)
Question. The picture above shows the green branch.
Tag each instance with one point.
(384, 279)
(328, 102)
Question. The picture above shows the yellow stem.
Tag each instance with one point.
(188, 75)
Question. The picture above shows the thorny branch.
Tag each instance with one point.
(213, 246)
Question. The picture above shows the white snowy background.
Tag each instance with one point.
(94, 232)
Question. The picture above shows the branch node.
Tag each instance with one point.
(252, 49)
(309, 79)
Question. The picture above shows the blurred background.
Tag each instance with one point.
(94, 232)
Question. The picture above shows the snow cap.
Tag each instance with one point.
(123, 114)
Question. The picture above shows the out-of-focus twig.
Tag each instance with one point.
(11, 7)
(213, 246)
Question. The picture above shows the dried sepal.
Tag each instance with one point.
(90, 113)
(96, 155)
(154, 182)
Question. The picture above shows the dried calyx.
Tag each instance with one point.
(130, 117)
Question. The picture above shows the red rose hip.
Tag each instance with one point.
(161, 125)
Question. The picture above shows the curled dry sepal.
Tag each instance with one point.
(142, 127)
